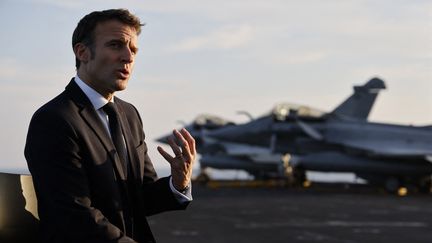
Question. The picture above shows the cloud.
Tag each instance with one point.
(227, 37)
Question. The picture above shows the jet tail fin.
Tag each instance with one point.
(360, 103)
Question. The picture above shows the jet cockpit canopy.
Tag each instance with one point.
(282, 111)
(211, 121)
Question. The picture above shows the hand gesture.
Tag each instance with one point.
(183, 146)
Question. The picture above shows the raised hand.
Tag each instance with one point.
(183, 146)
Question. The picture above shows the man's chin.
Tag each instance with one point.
(121, 85)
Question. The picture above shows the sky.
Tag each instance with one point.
(219, 57)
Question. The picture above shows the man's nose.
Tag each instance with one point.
(128, 55)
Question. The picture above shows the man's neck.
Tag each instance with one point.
(107, 95)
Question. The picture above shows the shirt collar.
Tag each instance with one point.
(97, 100)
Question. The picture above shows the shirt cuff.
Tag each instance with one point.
(181, 197)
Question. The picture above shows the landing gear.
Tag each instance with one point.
(296, 176)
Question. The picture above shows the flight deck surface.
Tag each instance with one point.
(322, 213)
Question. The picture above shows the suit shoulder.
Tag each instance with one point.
(59, 106)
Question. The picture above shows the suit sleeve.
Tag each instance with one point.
(156, 194)
(54, 158)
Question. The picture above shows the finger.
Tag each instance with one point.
(184, 145)
(164, 154)
(190, 140)
(175, 148)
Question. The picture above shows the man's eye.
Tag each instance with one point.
(116, 45)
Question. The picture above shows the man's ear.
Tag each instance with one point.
(82, 52)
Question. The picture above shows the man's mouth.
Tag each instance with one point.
(123, 73)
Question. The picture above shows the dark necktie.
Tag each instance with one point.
(116, 132)
(119, 143)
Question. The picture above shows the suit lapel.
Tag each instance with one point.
(89, 114)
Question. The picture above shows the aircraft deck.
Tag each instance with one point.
(321, 213)
(254, 212)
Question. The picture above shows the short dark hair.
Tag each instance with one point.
(84, 32)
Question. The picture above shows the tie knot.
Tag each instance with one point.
(111, 109)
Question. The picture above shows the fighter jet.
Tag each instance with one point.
(258, 159)
(293, 139)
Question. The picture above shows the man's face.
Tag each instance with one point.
(109, 68)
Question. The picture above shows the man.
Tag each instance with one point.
(85, 148)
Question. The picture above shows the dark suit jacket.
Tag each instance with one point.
(79, 180)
